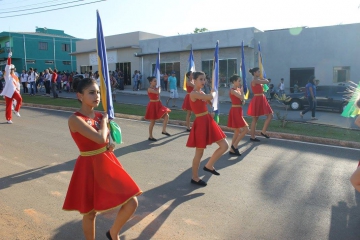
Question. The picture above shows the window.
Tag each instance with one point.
(227, 68)
(43, 46)
(66, 62)
(29, 61)
(65, 47)
(341, 74)
(49, 62)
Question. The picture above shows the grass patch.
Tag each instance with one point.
(306, 129)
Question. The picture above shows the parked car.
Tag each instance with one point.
(329, 97)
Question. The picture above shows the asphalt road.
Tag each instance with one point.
(275, 190)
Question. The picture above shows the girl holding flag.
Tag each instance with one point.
(155, 110)
(236, 120)
(186, 105)
(99, 182)
(205, 131)
(258, 106)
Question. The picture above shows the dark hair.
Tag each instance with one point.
(253, 70)
(197, 74)
(188, 73)
(150, 78)
(234, 77)
(358, 103)
(312, 79)
(80, 84)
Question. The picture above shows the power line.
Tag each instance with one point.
(43, 6)
(19, 7)
(51, 9)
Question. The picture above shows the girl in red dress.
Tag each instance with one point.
(205, 130)
(259, 106)
(186, 105)
(236, 120)
(99, 182)
(155, 110)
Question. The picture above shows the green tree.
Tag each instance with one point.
(200, 30)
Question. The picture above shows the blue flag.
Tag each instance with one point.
(243, 72)
(157, 69)
(215, 81)
(105, 86)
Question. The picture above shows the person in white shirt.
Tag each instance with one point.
(32, 81)
(47, 80)
(281, 87)
(11, 90)
(24, 78)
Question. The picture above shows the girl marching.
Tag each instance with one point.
(258, 106)
(155, 110)
(205, 131)
(186, 105)
(235, 119)
(99, 182)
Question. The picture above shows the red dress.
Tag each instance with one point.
(155, 110)
(259, 105)
(205, 130)
(186, 105)
(236, 119)
(99, 182)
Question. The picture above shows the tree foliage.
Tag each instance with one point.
(200, 30)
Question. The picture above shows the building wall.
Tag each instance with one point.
(322, 48)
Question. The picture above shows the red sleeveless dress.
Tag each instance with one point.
(99, 182)
(236, 119)
(205, 130)
(155, 110)
(186, 104)
(258, 105)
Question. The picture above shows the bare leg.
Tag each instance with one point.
(196, 163)
(188, 115)
(151, 127)
(165, 122)
(253, 126)
(355, 179)
(235, 136)
(125, 212)
(88, 225)
(240, 136)
(223, 146)
(267, 122)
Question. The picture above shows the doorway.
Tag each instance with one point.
(125, 68)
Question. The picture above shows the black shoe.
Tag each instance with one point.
(255, 139)
(200, 182)
(212, 171)
(108, 235)
(264, 135)
(152, 139)
(165, 133)
(235, 153)
(188, 129)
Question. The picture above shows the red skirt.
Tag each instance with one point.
(259, 106)
(186, 104)
(155, 111)
(236, 119)
(99, 183)
(204, 131)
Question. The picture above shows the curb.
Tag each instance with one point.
(286, 136)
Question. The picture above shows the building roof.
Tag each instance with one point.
(108, 48)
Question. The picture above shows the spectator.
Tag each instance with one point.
(24, 79)
(47, 81)
(281, 87)
(162, 81)
(53, 82)
(310, 92)
(58, 81)
(172, 89)
(135, 80)
(296, 87)
(139, 85)
(166, 77)
(32, 80)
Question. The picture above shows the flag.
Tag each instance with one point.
(157, 70)
(243, 72)
(191, 66)
(215, 82)
(105, 85)
(262, 70)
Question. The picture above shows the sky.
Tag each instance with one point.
(173, 17)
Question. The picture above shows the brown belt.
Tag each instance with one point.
(258, 94)
(201, 114)
(154, 100)
(236, 106)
